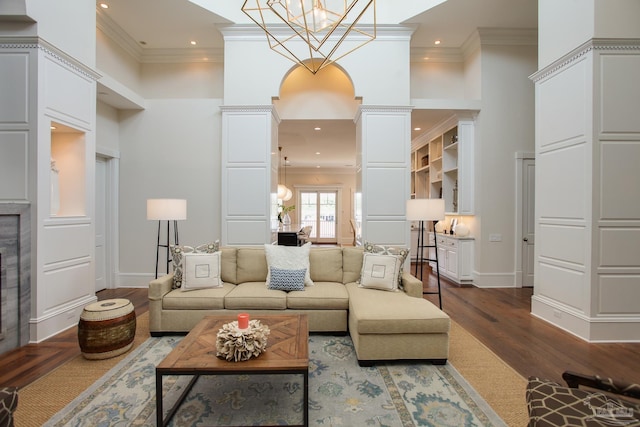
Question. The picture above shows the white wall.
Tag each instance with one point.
(246, 54)
(505, 126)
(107, 128)
(169, 150)
(191, 80)
(114, 61)
(437, 80)
(67, 24)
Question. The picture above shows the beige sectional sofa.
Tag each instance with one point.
(383, 325)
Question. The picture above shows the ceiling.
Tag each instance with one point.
(452, 22)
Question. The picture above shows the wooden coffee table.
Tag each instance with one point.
(287, 353)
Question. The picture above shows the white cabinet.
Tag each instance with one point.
(455, 257)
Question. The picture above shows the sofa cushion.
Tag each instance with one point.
(322, 295)
(197, 299)
(251, 265)
(289, 258)
(286, 280)
(228, 262)
(378, 312)
(326, 264)
(255, 295)
(351, 263)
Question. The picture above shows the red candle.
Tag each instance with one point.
(243, 321)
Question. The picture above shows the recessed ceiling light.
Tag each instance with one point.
(317, 128)
(193, 42)
(104, 5)
(437, 42)
(52, 127)
(426, 58)
(317, 152)
(417, 128)
(318, 167)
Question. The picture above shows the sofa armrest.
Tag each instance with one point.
(412, 285)
(159, 287)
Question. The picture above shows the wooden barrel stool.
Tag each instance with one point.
(107, 328)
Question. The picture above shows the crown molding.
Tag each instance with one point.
(35, 42)
(115, 32)
(598, 45)
(153, 56)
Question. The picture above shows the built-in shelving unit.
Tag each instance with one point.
(442, 166)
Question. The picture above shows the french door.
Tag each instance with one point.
(318, 209)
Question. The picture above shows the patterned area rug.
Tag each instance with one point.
(341, 393)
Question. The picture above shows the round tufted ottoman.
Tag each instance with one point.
(107, 328)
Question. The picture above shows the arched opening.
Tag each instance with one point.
(317, 134)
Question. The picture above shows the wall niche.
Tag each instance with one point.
(68, 171)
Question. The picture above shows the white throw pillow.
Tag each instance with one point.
(200, 271)
(380, 271)
(177, 253)
(400, 252)
(289, 258)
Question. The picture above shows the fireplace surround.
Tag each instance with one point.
(15, 276)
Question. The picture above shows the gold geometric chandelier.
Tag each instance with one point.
(314, 33)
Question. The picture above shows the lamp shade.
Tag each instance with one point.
(166, 209)
(425, 209)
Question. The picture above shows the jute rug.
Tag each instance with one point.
(498, 384)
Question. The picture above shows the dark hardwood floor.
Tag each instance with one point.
(499, 318)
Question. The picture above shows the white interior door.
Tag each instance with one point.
(100, 223)
(528, 221)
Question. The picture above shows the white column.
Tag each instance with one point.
(587, 266)
(249, 174)
(383, 135)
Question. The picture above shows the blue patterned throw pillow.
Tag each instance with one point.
(287, 280)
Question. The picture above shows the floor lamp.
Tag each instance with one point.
(426, 210)
(166, 210)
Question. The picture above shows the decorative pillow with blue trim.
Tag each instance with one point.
(286, 280)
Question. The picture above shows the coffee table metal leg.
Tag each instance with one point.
(160, 421)
(159, 399)
(306, 398)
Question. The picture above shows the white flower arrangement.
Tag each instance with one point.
(236, 345)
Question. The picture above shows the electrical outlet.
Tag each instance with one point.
(495, 237)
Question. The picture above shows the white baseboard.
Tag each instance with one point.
(591, 329)
(135, 280)
(61, 319)
(494, 280)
